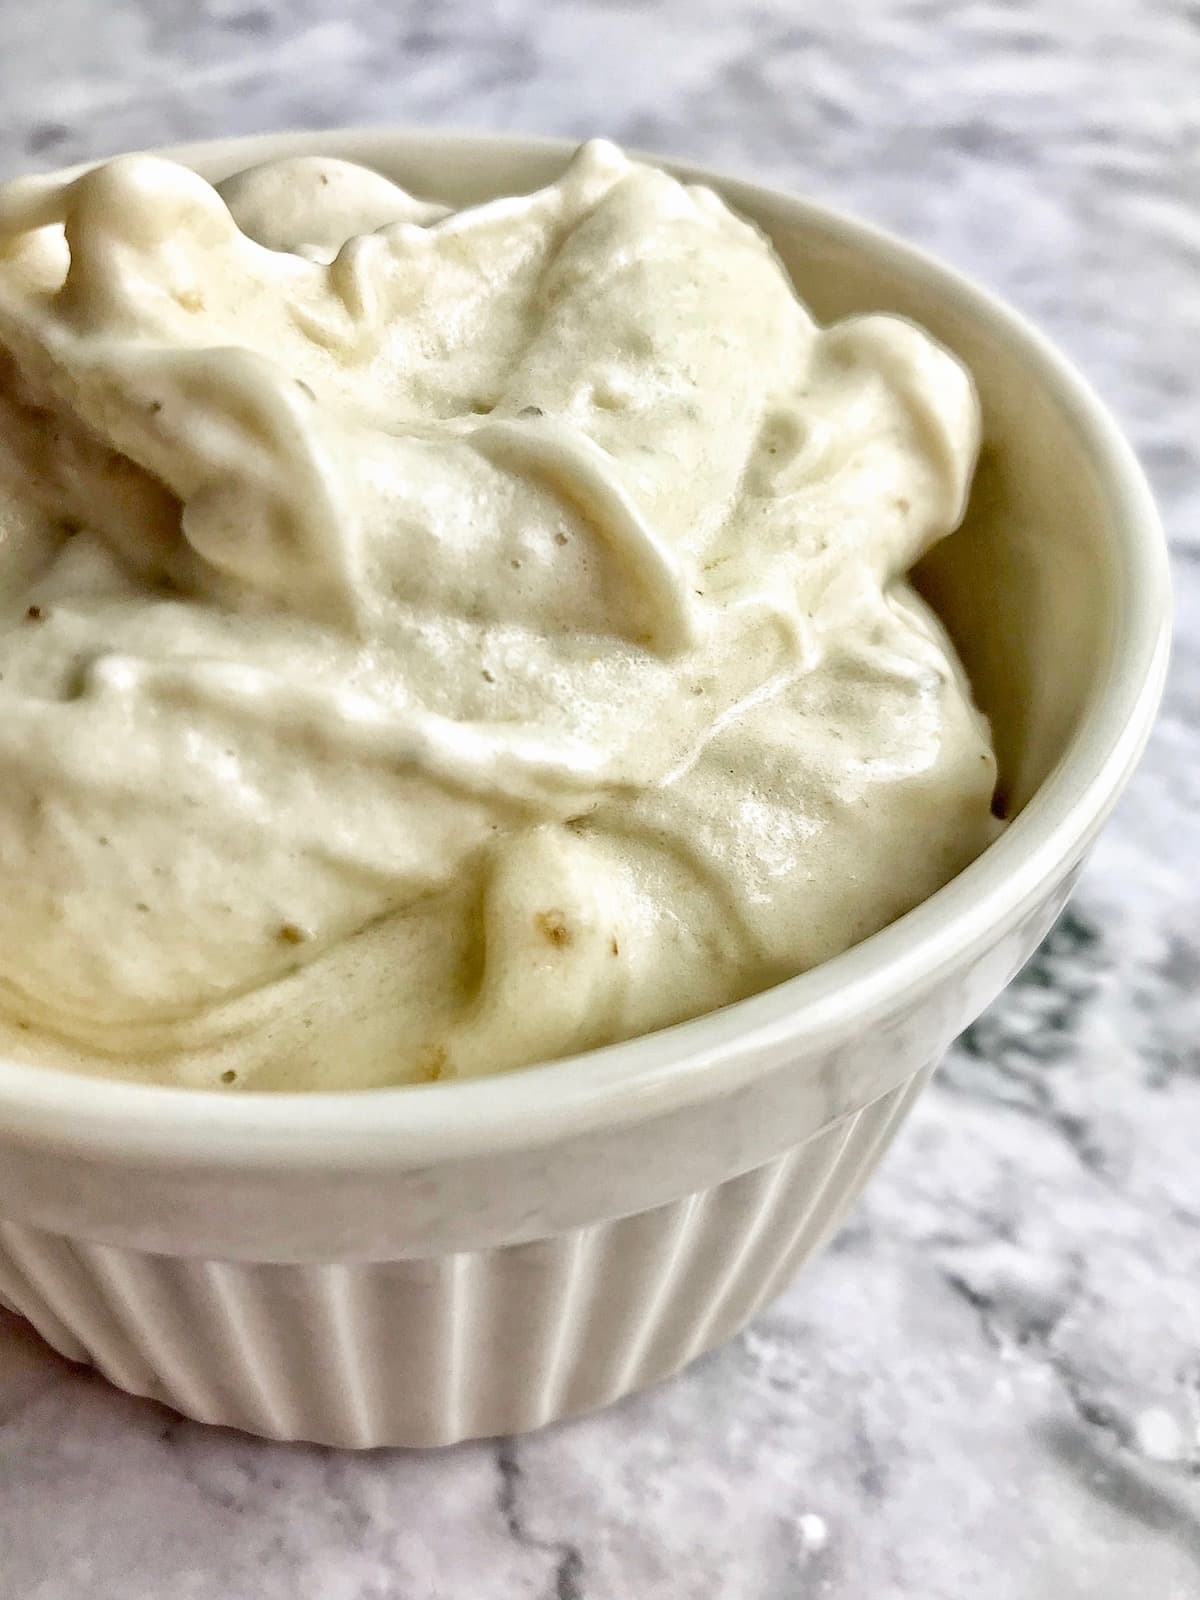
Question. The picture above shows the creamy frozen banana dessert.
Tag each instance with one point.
(434, 642)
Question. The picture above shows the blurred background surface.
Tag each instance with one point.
(991, 1383)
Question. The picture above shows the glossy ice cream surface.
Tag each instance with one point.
(432, 643)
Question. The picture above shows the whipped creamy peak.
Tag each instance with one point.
(433, 642)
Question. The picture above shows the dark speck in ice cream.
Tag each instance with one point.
(553, 927)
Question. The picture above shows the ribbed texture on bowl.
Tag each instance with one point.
(429, 1351)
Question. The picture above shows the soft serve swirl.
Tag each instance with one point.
(432, 642)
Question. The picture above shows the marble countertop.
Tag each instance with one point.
(990, 1384)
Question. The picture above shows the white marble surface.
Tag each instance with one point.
(991, 1384)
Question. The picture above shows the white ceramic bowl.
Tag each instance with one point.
(419, 1265)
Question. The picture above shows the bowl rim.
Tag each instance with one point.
(617, 1084)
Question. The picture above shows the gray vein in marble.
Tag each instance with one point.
(567, 1583)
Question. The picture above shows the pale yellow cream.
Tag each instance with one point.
(435, 642)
